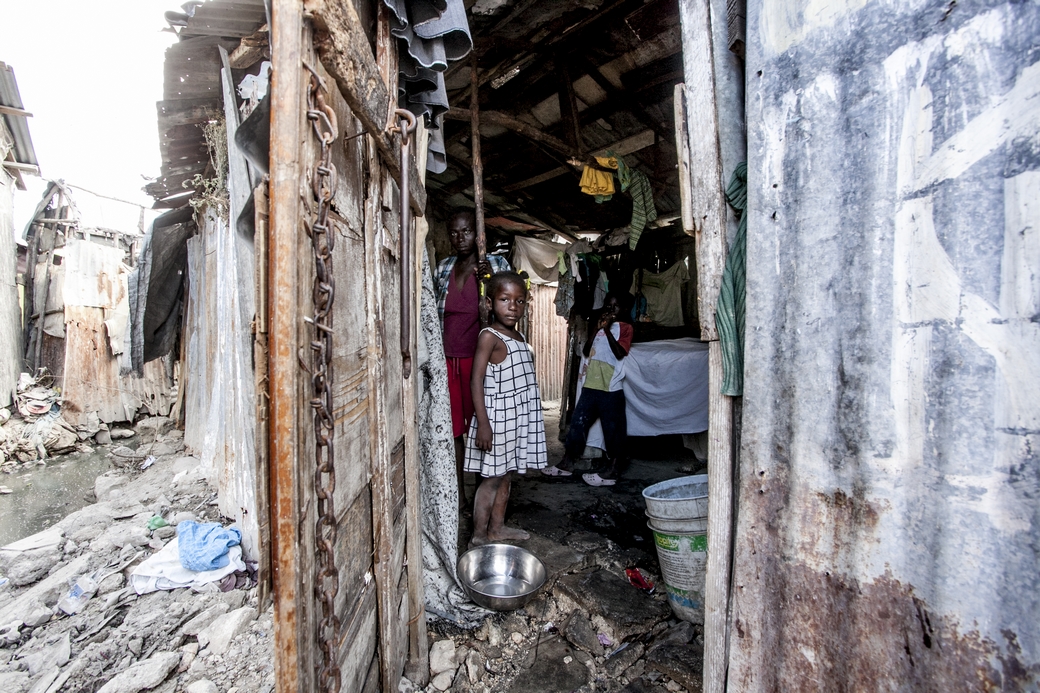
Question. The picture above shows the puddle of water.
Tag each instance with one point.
(44, 495)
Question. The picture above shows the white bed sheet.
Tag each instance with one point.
(666, 389)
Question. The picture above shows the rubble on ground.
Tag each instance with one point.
(118, 641)
(588, 630)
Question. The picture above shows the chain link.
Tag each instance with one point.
(326, 585)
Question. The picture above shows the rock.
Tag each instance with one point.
(188, 653)
(10, 634)
(474, 667)
(580, 633)
(182, 516)
(135, 646)
(405, 686)
(517, 638)
(619, 663)
(494, 635)
(103, 437)
(555, 669)
(109, 485)
(37, 616)
(442, 657)
(165, 532)
(206, 617)
(680, 634)
(123, 533)
(13, 680)
(625, 609)
(681, 663)
(121, 433)
(111, 584)
(143, 675)
(27, 567)
(202, 686)
(163, 449)
(217, 636)
(673, 686)
(153, 426)
(443, 680)
(53, 656)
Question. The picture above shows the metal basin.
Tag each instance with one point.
(499, 576)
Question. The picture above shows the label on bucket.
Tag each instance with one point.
(683, 560)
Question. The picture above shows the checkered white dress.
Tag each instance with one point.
(514, 409)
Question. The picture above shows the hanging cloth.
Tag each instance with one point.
(644, 211)
(730, 310)
(431, 34)
(595, 181)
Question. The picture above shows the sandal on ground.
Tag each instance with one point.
(597, 480)
(555, 471)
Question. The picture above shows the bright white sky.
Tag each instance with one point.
(91, 74)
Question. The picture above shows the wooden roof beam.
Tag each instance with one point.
(633, 105)
(518, 126)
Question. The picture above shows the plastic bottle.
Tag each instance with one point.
(78, 595)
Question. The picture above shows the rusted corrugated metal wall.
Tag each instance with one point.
(548, 338)
(888, 514)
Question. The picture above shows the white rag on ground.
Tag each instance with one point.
(666, 389)
(163, 570)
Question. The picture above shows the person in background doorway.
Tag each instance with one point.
(458, 300)
(603, 371)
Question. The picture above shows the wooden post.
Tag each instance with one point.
(478, 172)
(704, 209)
(46, 282)
(293, 670)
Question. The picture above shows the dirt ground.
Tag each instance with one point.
(588, 629)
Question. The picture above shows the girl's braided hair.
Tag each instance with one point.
(495, 281)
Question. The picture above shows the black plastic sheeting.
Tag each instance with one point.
(157, 287)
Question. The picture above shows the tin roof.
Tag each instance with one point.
(18, 125)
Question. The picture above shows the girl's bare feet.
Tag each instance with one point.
(505, 533)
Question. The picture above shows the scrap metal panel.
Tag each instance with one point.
(888, 517)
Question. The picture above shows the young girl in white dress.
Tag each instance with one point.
(507, 434)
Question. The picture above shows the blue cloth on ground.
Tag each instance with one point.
(205, 546)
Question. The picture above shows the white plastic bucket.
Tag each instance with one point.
(685, 525)
(683, 557)
(684, 498)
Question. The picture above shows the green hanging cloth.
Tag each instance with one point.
(730, 310)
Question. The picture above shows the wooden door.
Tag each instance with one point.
(378, 602)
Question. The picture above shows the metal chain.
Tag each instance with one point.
(326, 584)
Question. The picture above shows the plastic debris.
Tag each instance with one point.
(636, 578)
(604, 640)
(157, 522)
(148, 462)
(78, 595)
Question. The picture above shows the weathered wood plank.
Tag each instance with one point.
(707, 199)
(345, 52)
(293, 637)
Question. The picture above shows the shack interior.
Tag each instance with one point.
(558, 85)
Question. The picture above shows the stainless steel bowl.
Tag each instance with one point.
(499, 576)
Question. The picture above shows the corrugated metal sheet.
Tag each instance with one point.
(18, 125)
(547, 334)
(10, 314)
(220, 396)
(192, 89)
(888, 518)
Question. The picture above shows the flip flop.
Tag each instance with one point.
(597, 480)
(555, 471)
